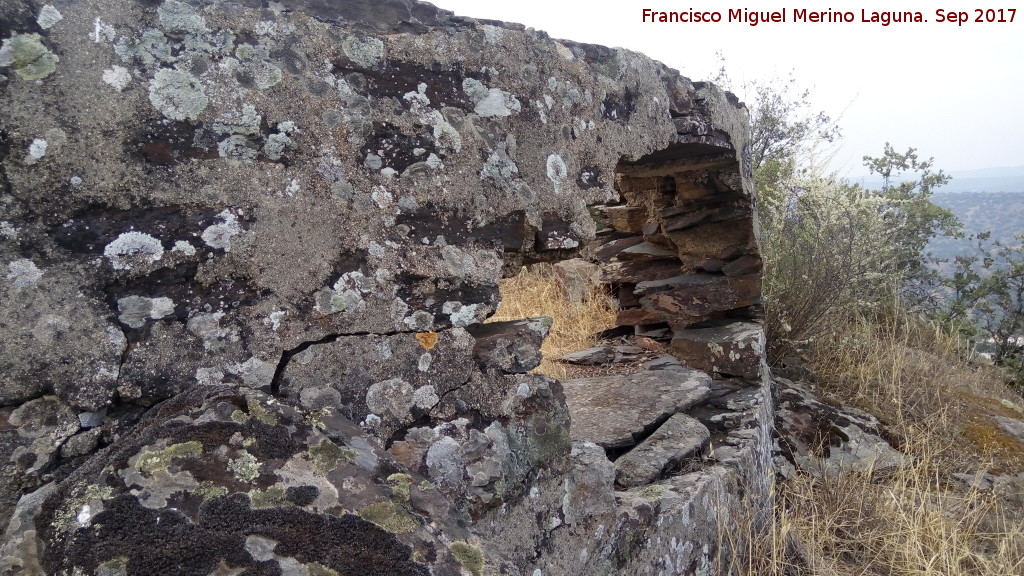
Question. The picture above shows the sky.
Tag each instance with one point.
(952, 90)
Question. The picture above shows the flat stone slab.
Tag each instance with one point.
(611, 411)
(679, 437)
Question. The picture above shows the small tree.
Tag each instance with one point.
(828, 248)
(915, 218)
(999, 309)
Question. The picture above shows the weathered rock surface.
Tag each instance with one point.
(735, 349)
(613, 411)
(822, 439)
(1012, 426)
(679, 437)
(245, 255)
(512, 347)
(577, 278)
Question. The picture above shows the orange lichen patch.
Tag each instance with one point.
(1007, 452)
(427, 339)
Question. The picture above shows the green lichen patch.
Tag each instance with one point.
(400, 484)
(67, 518)
(471, 557)
(326, 455)
(653, 491)
(272, 497)
(317, 569)
(239, 417)
(544, 446)
(177, 95)
(390, 517)
(27, 56)
(208, 490)
(117, 566)
(150, 461)
(257, 411)
(246, 467)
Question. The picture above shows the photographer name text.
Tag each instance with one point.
(862, 16)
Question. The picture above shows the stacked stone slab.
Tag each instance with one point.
(681, 252)
(247, 249)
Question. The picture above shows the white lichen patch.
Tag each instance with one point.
(419, 320)
(209, 376)
(541, 112)
(424, 363)
(117, 340)
(492, 34)
(178, 16)
(102, 32)
(218, 236)
(274, 320)
(277, 145)
(434, 163)
(23, 273)
(255, 373)
(8, 231)
(84, 515)
(381, 197)
(393, 397)
(367, 52)
(177, 95)
(459, 314)
(246, 467)
(557, 171)
(117, 77)
(36, 150)
(208, 328)
(184, 247)
(425, 397)
(133, 248)
(346, 295)
(445, 135)
(136, 310)
(49, 16)
(490, 102)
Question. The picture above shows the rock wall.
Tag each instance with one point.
(249, 248)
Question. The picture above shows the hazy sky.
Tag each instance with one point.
(954, 92)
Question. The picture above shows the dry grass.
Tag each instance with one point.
(919, 382)
(918, 521)
(862, 523)
(535, 291)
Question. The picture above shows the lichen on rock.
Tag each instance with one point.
(28, 57)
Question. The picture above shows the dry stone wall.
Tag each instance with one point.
(248, 249)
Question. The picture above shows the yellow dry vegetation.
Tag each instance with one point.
(535, 291)
(918, 521)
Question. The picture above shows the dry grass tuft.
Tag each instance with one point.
(919, 381)
(535, 291)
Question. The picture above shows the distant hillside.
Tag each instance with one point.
(1001, 213)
